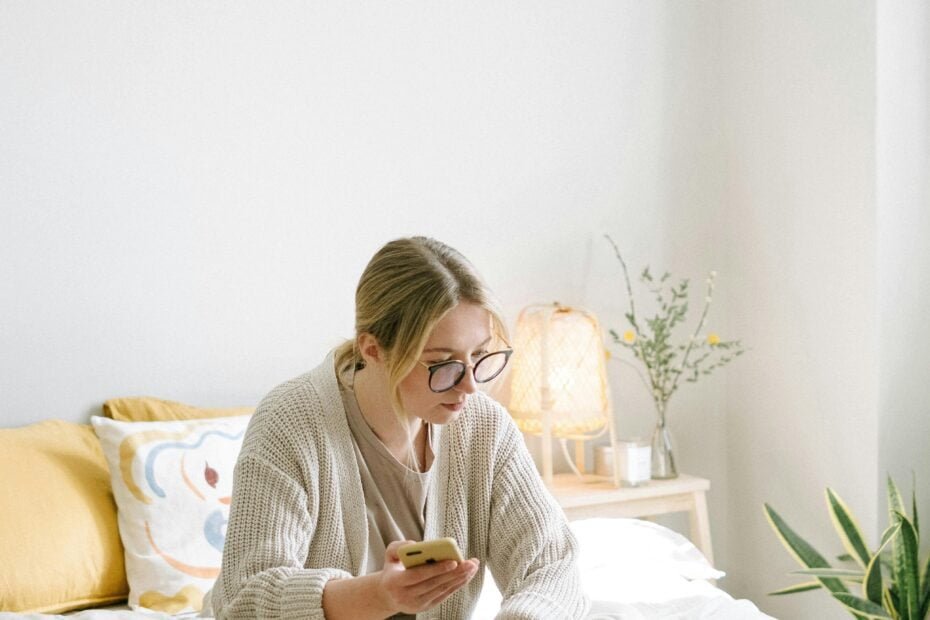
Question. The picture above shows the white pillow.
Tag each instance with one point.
(628, 561)
(172, 482)
(641, 546)
(634, 561)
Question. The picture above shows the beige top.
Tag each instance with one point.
(395, 494)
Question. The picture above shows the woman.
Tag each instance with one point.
(389, 441)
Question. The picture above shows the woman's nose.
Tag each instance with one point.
(467, 385)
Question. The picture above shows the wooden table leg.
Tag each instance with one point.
(700, 525)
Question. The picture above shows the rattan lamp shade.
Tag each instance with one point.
(559, 383)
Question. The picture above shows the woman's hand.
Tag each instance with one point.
(394, 588)
(412, 590)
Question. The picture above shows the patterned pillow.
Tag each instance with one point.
(172, 482)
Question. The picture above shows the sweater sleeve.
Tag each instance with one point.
(267, 542)
(532, 554)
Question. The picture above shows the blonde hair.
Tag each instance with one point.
(407, 288)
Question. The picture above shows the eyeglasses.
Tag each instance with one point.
(446, 375)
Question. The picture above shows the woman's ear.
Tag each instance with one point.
(369, 349)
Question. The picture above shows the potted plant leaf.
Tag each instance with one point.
(889, 582)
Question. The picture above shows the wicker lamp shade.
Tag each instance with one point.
(559, 385)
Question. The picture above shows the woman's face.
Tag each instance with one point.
(463, 334)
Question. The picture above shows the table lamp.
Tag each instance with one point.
(559, 385)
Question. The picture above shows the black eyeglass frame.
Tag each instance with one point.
(432, 368)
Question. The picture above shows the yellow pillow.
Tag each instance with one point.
(147, 409)
(59, 540)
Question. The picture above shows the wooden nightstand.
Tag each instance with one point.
(597, 497)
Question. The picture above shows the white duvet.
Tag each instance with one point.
(631, 570)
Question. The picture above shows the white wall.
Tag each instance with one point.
(827, 148)
(903, 226)
(189, 193)
(799, 106)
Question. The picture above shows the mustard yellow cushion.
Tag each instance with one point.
(59, 540)
(148, 409)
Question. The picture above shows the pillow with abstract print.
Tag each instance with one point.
(172, 482)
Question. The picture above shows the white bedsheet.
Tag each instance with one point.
(638, 570)
(631, 570)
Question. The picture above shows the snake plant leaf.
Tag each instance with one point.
(848, 529)
(914, 504)
(925, 590)
(890, 532)
(906, 567)
(895, 599)
(895, 506)
(891, 603)
(800, 587)
(861, 606)
(839, 573)
(872, 585)
(806, 555)
(895, 503)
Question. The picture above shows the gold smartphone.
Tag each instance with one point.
(429, 552)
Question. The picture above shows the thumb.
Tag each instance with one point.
(390, 554)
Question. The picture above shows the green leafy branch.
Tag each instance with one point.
(652, 339)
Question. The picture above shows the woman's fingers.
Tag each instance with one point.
(427, 587)
(390, 553)
(412, 577)
(459, 579)
(431, 591)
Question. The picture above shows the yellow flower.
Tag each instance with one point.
(713, 339)
(629, 336)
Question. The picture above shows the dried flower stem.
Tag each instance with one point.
(694, 336)
(653, 386)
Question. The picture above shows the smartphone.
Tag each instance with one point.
(429, 552)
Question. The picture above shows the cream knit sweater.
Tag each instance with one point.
(298, 513)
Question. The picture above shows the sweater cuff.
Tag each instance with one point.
(303, 592)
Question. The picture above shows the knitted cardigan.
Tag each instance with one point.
(298, 515)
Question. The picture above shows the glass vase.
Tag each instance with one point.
(663, 450)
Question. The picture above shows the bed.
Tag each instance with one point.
(71, 496)
(631, 570)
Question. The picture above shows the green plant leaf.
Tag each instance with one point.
(801, 587)
(848, 529)
(890, 532)
(906, 568)
(895, 506)
(895, 599)
(872, 584)
(861, 605)
(925, 590)
(895, 503)
(839, 573)
(806, 555)
(891, 603)
(914, 506)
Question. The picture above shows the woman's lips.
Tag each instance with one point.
(453, 407)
